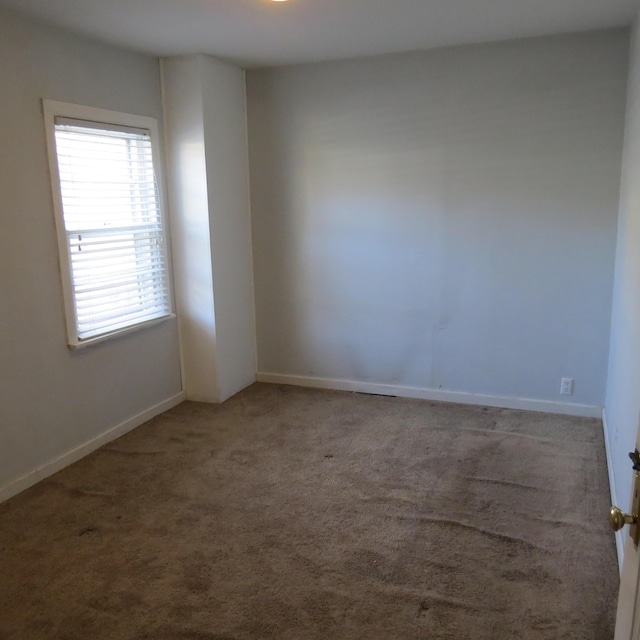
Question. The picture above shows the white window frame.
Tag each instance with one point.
(53, 109)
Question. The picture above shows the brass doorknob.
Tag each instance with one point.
(618, 518)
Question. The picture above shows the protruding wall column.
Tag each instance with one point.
(207, 168)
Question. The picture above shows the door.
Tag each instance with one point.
(628, 615)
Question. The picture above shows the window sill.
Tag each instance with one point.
(89, 342)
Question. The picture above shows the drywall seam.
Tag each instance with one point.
(75, 454)
(164, 125)
(612, 487)
(503, 402)
(253, 277)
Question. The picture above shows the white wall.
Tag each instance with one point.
(622, 406)
(54, 400)
(209, 187)
(441, 220)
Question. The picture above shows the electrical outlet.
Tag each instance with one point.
(566, 386)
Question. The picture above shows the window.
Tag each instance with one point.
(109, 220)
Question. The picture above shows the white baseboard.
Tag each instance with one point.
(612, 486)
(503, 402)
(31, 478)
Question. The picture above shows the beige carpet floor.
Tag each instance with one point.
(298, 514)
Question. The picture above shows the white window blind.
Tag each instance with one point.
(113, 226)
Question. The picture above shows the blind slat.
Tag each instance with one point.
(104, 315)
(137, 287)
(91, 329)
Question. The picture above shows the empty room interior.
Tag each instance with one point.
(353, 351)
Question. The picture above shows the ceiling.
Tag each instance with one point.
(254, 33)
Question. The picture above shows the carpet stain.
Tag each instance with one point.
(242, 457)
(87, 531)
(177, 633)
(424, 609)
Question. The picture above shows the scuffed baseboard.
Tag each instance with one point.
(75, 454)
(612, 486)
(503, 402)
